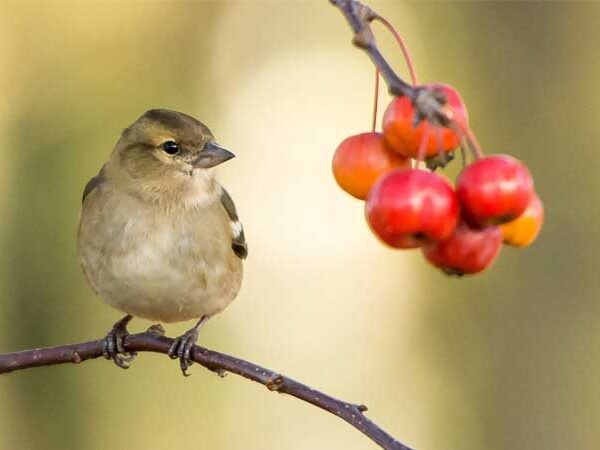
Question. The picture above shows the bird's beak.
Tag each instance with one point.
(212, 155)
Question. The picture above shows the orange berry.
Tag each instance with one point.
(522, 231)
(400, 131)
(361, 160)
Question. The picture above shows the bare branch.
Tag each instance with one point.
(429, 102)
(215, 361)
(359, 18)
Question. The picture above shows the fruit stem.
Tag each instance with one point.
(472, 139)
(375, 100)
(466, 134)
(463, 154)
(403, 47)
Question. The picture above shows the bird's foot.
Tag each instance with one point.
(182, 346)
(221, 372)
(114, 347)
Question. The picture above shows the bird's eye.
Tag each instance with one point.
(170, 147)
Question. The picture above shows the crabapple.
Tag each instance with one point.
(405, 137)
(466, 251)
(360, 160)
(494, 190)
(407, 208)
(522, 231)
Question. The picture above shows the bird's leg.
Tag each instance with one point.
(182, 346)
(114, 348)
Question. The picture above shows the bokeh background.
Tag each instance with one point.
(507, 359)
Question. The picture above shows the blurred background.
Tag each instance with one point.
(507, 359)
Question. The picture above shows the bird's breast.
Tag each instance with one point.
(162, 265)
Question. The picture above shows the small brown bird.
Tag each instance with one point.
(159, 238)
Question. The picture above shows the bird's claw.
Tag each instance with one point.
(156, 330)
(113, 346)
(182, 349)
(221, 372)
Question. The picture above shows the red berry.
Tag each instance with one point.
(360, 160)
(407, 208)
(400, 131)
(467, 251)
(494, 190)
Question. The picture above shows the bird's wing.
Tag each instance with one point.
(238, 244)
(93, 184)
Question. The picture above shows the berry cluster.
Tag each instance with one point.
(460, 228)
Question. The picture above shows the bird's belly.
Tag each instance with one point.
(167, 275)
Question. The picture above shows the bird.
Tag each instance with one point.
(159, 238)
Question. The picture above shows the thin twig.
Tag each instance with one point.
(403, 47)
(375, 101)
(429, 102)
(215, 361)
(359, 18)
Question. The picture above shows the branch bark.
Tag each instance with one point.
(215, 361)
(429, 101)
(359, 18)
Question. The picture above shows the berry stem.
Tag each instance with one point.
(403, 47)
(463, 154)
(375, 100)
(467, 135)
(474, 144)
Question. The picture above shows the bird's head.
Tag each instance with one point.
(167, 156)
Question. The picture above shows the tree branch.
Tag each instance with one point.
(215, 361)
(359, 18)
(429, 102)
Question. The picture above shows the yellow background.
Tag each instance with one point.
(508, 359)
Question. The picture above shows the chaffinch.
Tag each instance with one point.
(159, 238)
